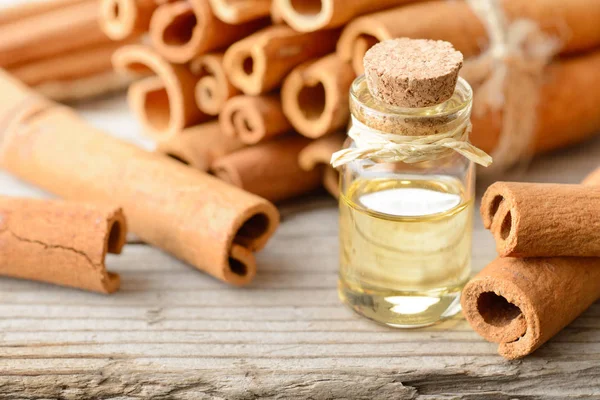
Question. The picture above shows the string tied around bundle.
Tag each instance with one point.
(507, 78)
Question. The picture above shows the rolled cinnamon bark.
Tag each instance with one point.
(269, 169)
(213, 88)
(575, 23)
(318, 155)
(69, 66)
(52, 31)
(200, 145)
(239, 11)
(165, 104)
(253, 119)
(543, 220)
(522, 303)
(123, 19)
(260, 62)
(35, 7)
(315, 96)
(571, 84)
(182, 30)
(312, 15)
(60, 242)
(193, 216)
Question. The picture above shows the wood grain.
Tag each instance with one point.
(175, 333)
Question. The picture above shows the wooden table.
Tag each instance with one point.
(174, 333)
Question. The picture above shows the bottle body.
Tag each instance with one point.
(406, 229)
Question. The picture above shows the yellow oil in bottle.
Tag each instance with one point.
(405, 248)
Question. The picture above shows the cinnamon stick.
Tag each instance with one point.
(315, 96)
(318, 155)
(60, 242)
(197, 218)
(52, 31)
(308, 16)
(34, 7)
(543, 220)
(253, 119)
(200, 145)
(182, 30)
(124, 19)
(521, 303)
(574, 23)
(213, 88)
(239, 11)
(569, 84)
(269, 169)
(73, 75)
(260, 62)
(165, 104)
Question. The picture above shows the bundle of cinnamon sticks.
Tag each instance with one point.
(231, 86)
(548, 239)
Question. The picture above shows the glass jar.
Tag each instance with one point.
(405, 229)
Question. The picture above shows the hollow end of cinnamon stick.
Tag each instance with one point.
(164, 103)
(253, 119)
(306, 15)
(543, 220)
(242, 266)
(60, 242)
(123, 19)
(521, 303)
(315, 96)
(213, 88)
(182, 30)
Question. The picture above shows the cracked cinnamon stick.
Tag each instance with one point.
(213, 88)
(574, 23)
(165, 103)
(318, 155)
(182, 30)
(124, 19)
(197, 218)
(60, 242)
(569, 84)
(521, 303)
(239, 11)
(260, 62)
(269, 169)
(312, 15)
(542, 219)
(200, 145)
(254, 119)
(315, 96)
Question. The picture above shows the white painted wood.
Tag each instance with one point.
(173, 332)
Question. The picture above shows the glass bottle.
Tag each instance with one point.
(405, 229)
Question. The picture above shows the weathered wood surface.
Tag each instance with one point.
(175, 333)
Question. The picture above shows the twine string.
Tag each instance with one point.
(507, 78)
(380, 146)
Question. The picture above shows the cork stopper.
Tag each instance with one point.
(412, 73)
